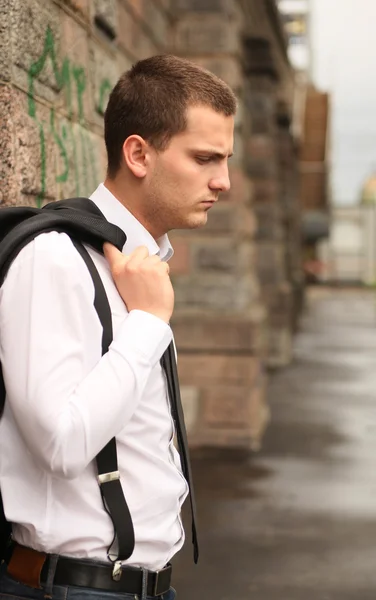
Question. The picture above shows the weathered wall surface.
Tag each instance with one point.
(59, 60)
(233, 279)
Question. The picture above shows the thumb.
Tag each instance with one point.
(112, 254)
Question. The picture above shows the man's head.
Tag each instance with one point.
(169, 133)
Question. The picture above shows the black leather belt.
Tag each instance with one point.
(89, 574)
(80, 573)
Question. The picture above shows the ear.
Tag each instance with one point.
(135, 155)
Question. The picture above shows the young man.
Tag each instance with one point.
(169, 134)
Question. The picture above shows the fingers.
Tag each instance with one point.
(112, 254)
(117, 259)
(138, 256)
(166, 267)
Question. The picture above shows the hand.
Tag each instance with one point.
(142, 281)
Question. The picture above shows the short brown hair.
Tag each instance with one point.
(151, 100)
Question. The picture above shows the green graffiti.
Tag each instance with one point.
(43, 165)
(62, 77)
(76, 154)
(79, 75)
(63, 152)
(105, 89)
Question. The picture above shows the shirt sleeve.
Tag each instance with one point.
(67, 400)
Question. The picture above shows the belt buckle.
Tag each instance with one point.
(156, 591)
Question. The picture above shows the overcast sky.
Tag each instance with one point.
(343, 36)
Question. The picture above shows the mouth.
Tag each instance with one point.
(208, 203)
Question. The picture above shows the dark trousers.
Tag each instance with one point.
(9, 588)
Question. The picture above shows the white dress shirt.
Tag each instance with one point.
(65, 402)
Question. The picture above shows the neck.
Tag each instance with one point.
(128, 195)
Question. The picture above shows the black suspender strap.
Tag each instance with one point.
(169, 364)
(112, 493)
(108, 474)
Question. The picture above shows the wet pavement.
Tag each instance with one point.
(298, 520)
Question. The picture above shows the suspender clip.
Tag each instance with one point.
(116, 571)
(106, 477)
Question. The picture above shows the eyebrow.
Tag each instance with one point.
(214, 153)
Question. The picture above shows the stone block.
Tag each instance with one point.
(271, 266)
(227, 218)
(37, 62)
(105, 17)
(5, 40)
(208, 369)
(104, 71)
(259, 412)
(265, 190)
(222, 256)
(237, 160)
(215, 256)
(124, 63)
(216, 292)
(8, 186)
(261, 157)
(80, 6)
(218, 437)
(221, 219)
(132, 36)
(167, 5)
(28, 152)
(190, 398)
(233, 333)
(129, 28)
(262, 147)
(144, 46)
(75, 94)
(264, 85)
(224, 7)
(241, 186)
(201, 34)
(279, 347)
(235, 416)
(226, 406)
(49, 156)
(260, 169)
(83, 162)
(279, 298)
(227, 68)
(261, 107)
(155, 19)
(269, 222)
(180, 263)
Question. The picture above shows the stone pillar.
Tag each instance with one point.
(262, 165)
(290, 202)
(218, 319)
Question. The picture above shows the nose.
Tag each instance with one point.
(221, 183)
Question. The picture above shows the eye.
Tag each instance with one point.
(203, 159)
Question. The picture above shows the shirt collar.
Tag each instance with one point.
(137, 235)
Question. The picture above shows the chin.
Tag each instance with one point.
(194, 222)
(197, 221)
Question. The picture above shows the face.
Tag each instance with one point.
(184, 181)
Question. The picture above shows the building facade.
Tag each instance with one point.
(238, 281)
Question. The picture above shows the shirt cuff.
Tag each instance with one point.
(142, 333)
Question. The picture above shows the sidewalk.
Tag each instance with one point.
(298, 520)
